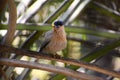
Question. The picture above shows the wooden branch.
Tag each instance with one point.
(34, 65)
(7, 49)
(12, 23)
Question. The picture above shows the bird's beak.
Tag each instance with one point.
(57, 27)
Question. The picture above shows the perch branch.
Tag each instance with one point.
(7, 49)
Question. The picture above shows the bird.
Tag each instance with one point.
(54, 39)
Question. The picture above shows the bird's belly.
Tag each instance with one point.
(56, 46)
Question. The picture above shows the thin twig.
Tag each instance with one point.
(6, 49)
(34, 65)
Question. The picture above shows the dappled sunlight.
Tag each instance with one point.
(39, 75)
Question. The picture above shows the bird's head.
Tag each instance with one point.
(58, 25)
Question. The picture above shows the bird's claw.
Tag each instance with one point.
(56, 56)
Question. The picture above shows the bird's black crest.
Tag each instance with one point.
(58, 23)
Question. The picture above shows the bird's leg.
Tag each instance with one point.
(55, 55)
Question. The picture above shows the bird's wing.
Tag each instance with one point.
(47, 39)
(44, 44)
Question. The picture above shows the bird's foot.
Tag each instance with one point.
(56, 56)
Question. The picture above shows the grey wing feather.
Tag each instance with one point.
(43, 45)
(47, 36)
